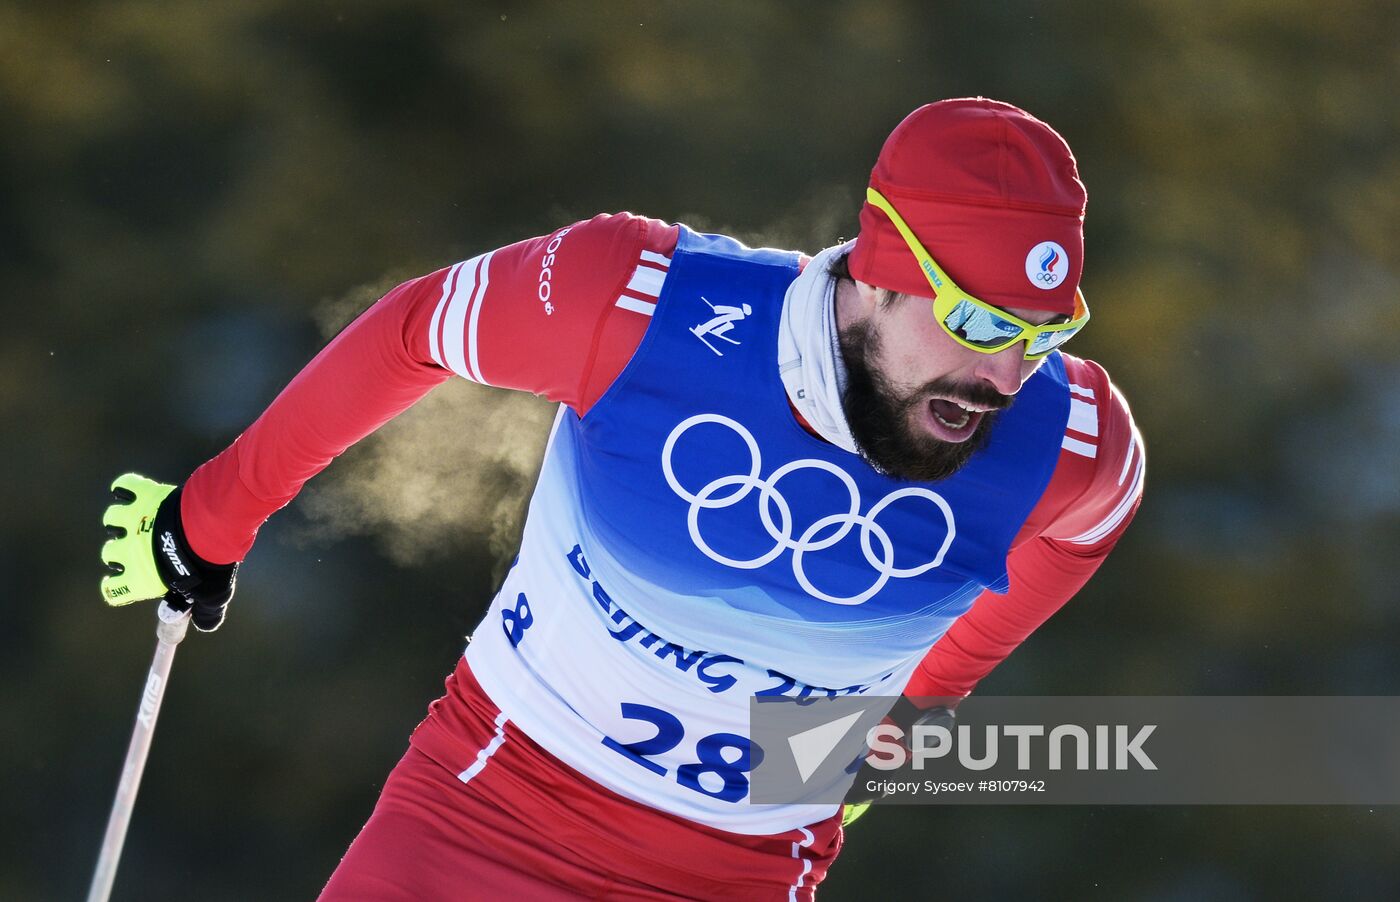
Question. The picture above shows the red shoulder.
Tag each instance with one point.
(1099, 477)
(558, 315)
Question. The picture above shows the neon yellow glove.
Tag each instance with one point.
(129, 553)
(147, 555)
(849, 813)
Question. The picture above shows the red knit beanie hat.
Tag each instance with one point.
(994, 195)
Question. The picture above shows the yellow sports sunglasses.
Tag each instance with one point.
(976, 324)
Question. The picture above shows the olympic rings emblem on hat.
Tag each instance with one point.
(727, 491)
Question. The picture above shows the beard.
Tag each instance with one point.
(882, 419)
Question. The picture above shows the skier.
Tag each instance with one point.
(887, 480)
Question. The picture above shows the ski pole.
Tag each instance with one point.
(170, 629)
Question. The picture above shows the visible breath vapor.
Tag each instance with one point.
(810, 224)
(452, 472)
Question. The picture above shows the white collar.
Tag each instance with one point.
(809, 355)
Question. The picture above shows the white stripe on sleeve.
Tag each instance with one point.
(434, 332)
(1083, 449)
(1083, 417)
(485, 282)
(454, 319)
(1134, 442)
(459, 351)
(645, 285)
(647, 281)
(1115, 517)
(636, 305)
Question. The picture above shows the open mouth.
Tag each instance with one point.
(952, 421)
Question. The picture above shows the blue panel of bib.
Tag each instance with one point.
(696, 479)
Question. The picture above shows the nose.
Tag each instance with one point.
(1002, 370)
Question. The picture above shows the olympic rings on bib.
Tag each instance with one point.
(776, 515)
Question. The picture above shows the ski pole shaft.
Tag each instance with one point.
(169, 631)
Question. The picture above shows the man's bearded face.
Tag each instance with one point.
(889, 425)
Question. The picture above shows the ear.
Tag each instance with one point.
(869, 295)
(855, 301)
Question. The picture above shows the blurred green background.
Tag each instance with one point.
(194, 195)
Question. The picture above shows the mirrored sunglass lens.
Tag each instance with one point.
(1046, 342)
(979, 326)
